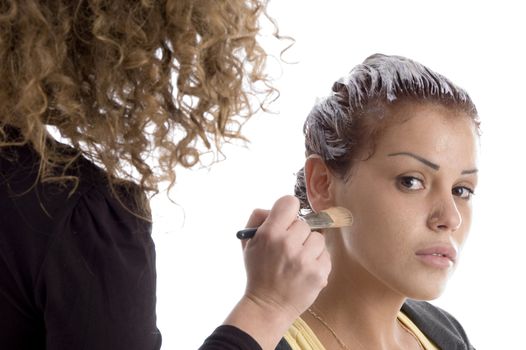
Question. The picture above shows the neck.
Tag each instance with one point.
(360, 309)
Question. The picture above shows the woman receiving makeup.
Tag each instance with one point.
(396, 144)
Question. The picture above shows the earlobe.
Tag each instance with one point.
(318, 182)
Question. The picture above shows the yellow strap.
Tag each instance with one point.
(301, 337)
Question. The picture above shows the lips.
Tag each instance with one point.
(439, 255)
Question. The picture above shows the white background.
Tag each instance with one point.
(479, 46)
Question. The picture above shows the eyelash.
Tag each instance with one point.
(402, 179)
(470, 192)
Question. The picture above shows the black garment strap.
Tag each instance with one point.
(438, 325)
(283, 345)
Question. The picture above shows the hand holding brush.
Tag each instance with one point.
(329, 218)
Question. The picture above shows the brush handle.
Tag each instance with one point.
(246, 233)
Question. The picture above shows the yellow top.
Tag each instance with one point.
(301, 337)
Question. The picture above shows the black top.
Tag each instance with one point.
(77, 270)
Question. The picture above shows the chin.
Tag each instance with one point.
(426, 292)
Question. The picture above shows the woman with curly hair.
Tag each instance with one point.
(396, 144)
(135, 88)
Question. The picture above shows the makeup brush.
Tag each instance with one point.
(329, 218)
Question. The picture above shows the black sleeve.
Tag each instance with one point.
(96, 287)
(229, 338)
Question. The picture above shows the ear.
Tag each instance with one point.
(319, 182)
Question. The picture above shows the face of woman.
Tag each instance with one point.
(412, 200)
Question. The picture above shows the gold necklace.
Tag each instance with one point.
(343, 345)
(322, 321)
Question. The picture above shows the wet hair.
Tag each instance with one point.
(135, 86)
(348, 122)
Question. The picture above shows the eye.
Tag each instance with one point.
(463, 192)
(410, 183)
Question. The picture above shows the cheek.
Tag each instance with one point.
(381, 229)
(387, 210)
(387, 227)
(385, 220)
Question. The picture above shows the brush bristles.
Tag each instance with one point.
(329, 218)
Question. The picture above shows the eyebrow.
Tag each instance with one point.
(421, 159)
(430, 163)
(471, 171)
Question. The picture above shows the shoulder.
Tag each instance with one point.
(439, 325)
(41, 204)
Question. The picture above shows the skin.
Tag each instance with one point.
(413, 193)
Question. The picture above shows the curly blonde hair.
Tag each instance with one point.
(133, 85)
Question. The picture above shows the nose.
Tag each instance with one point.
(445, 215)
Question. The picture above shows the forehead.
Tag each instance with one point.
(433, 131)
